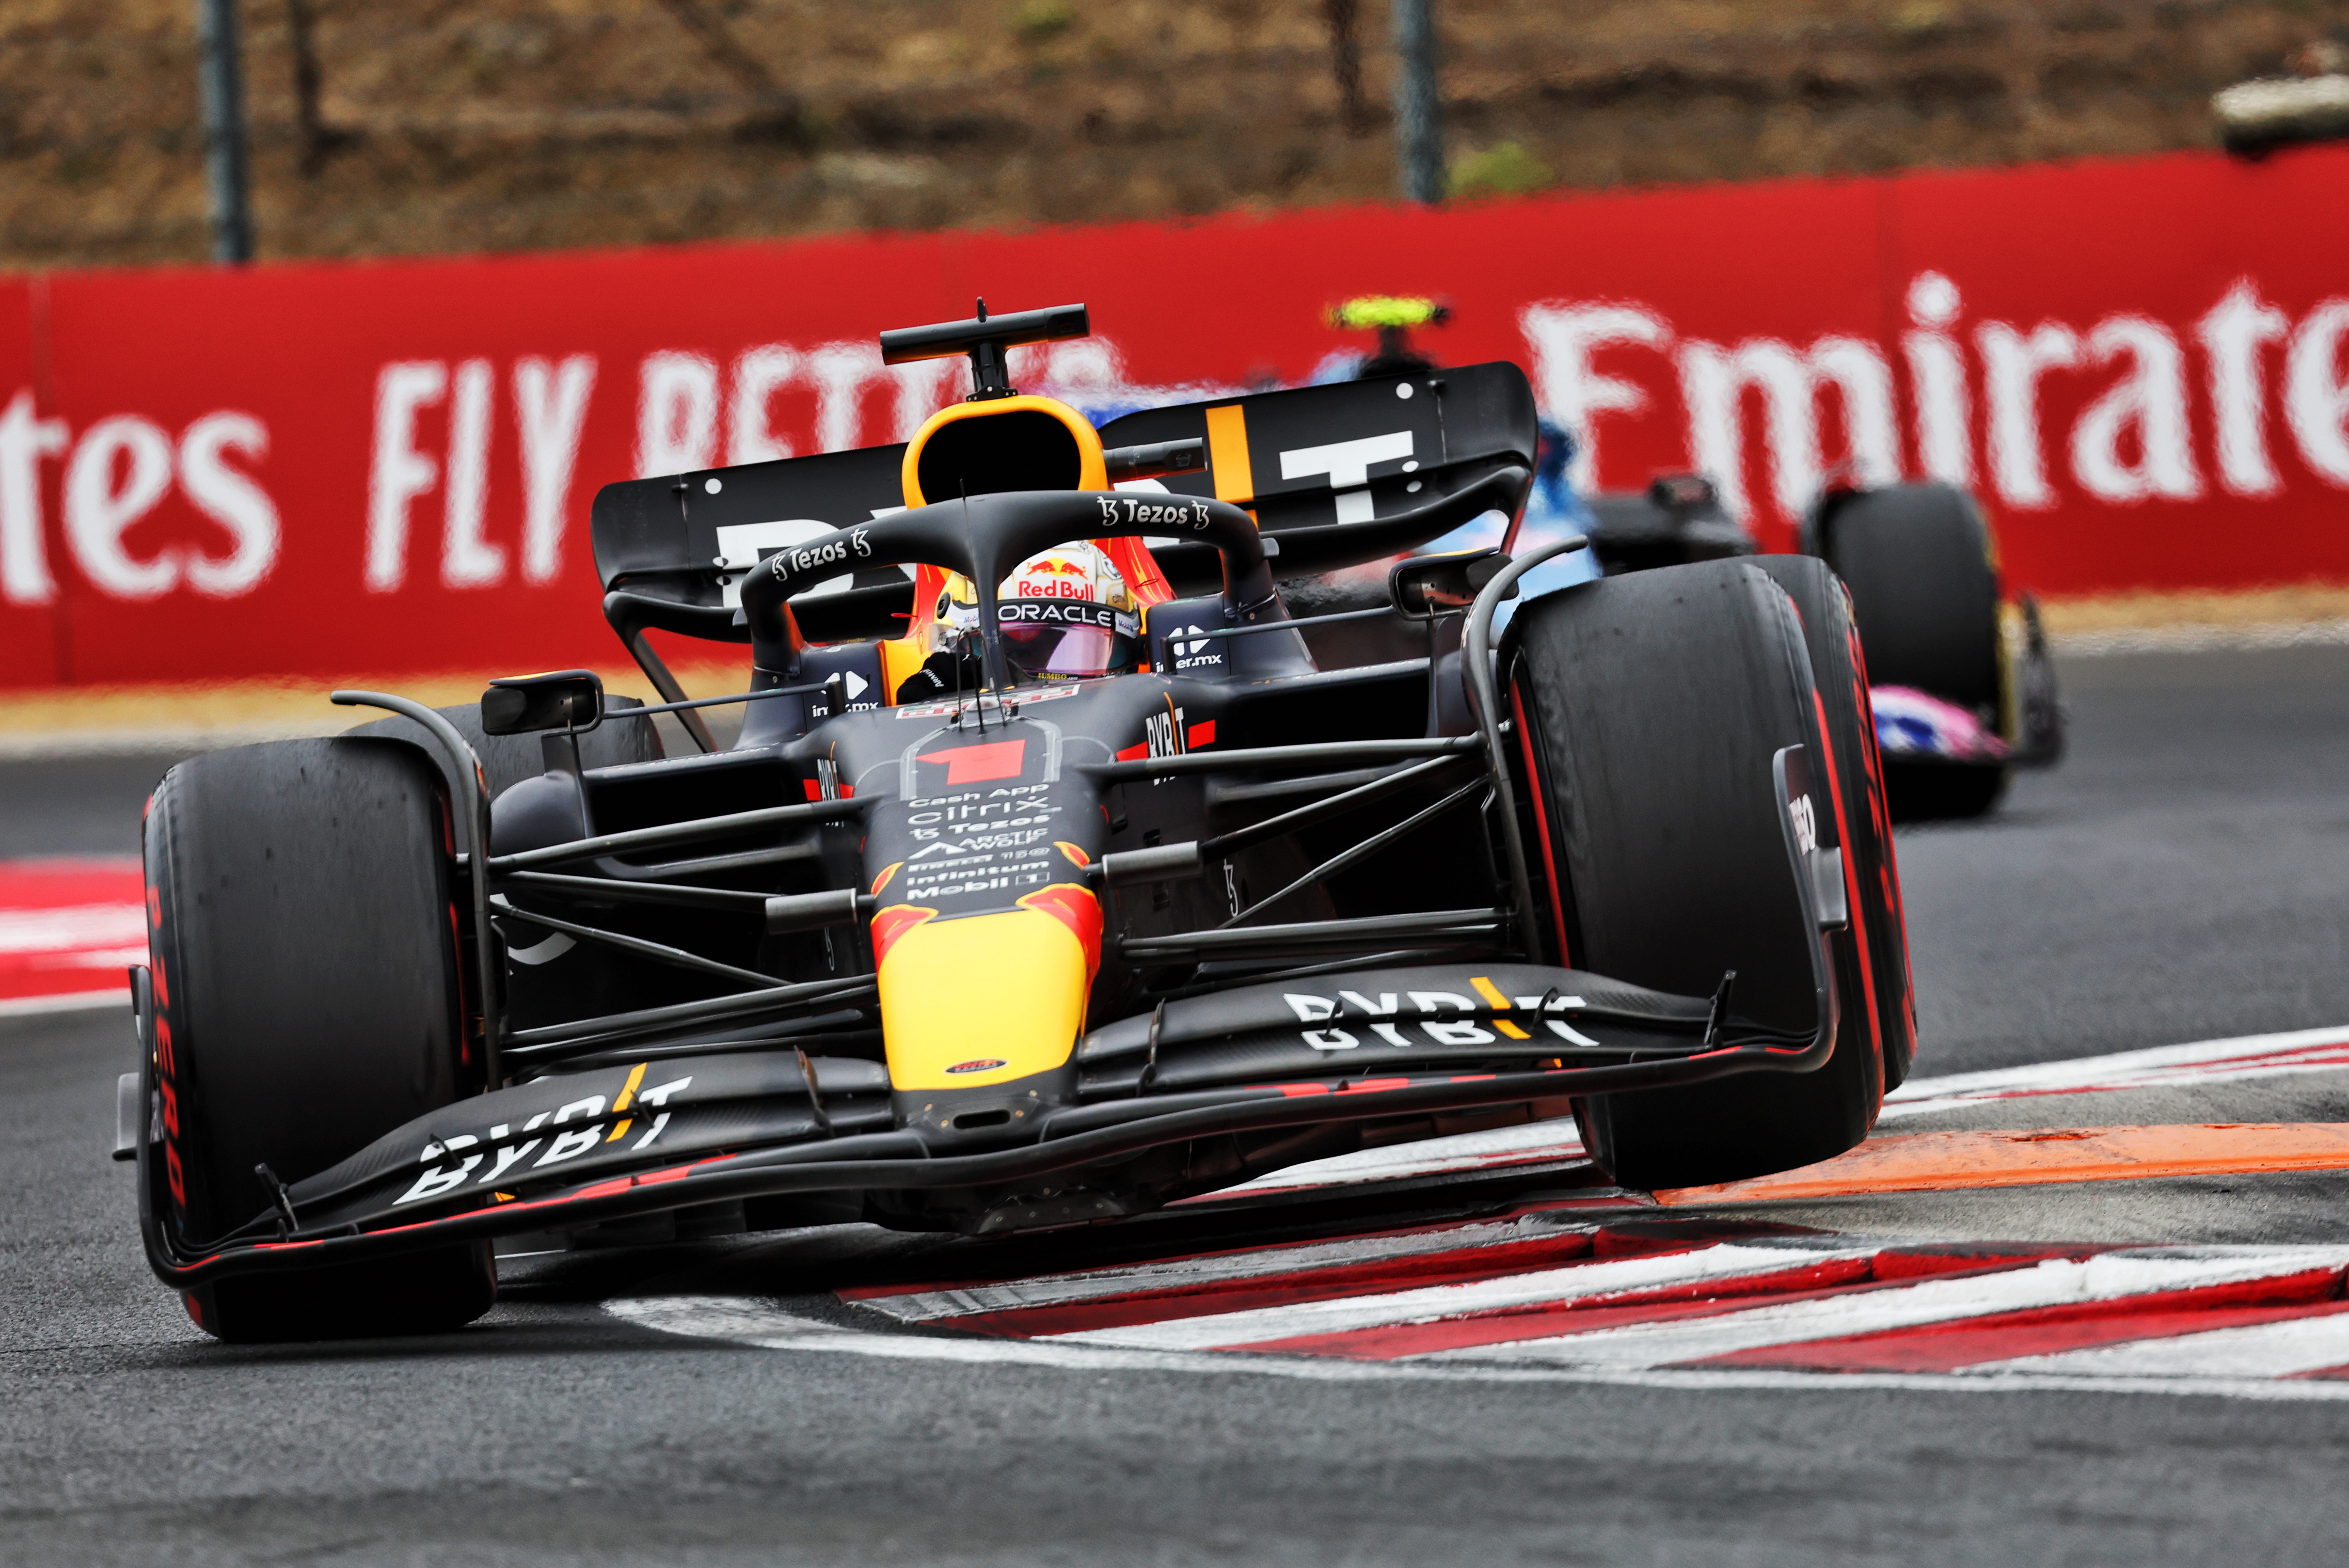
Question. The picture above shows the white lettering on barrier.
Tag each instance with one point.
(758, 374)
(840, 371)
(677, 414)
(2144, 408)
(550, 408)
(1563, 339)
(2132, 442)
(468, 560)
(1713, 379)
(2232, 334)
(398, 474)
(232, 500)
(1937, 371)
(2012, 365)
(99, 508)
(2316, 401)
(24, 440)
(549, 412)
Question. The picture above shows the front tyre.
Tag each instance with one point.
(308, 998)
(1653, 704)
(1872, 955)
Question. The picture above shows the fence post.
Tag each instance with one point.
(222, 79)
(1419, 127)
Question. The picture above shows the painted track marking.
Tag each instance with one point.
(69, 928)
(1693, 1311)
(1675, 1303)
(1940, 1162)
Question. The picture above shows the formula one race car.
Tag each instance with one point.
(1083, 887)
(1964, 690)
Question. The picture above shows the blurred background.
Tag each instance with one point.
(418, 126)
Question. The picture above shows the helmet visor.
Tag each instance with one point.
(1065, 639)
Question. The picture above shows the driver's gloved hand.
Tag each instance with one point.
(943, 674)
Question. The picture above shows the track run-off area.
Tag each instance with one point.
(2084, 1298)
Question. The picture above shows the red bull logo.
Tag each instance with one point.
(1054, 577)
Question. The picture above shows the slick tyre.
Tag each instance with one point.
(1872, 957)
(1924, 586)
(309, 997)
(1652, 705)
(508, 760)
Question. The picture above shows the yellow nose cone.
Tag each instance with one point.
(985, 998)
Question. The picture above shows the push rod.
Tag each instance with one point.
(1366, 848)
(1288, 822)
(659, 952)
(550, 1038)
(1279, 757)
(677, 833)
(1332, 936)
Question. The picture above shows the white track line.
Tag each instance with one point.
(2202, 1062)
(2203, 638)
(1091, 1285)
(1589, 1283)
(78, 1002)
(2054, 1283)
(2276, 1349)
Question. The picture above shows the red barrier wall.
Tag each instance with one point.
(387, 466)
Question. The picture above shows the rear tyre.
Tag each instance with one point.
(1872, 956)
(1653, 705)
(508, 758)
(1924, 588)
(309, 998)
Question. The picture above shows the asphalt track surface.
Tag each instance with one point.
(2184, 877)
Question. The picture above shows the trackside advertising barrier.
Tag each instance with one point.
(312, 470)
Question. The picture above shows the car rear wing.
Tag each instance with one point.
(1354, 470)
(1340, 474)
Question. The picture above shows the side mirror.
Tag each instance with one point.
(571, 699)
(1426, 586)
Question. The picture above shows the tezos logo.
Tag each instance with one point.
(984, 1064)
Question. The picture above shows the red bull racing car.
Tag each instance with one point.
(1061, 865)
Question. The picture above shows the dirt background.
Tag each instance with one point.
(466, 125)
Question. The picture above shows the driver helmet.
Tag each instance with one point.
(1065, 614)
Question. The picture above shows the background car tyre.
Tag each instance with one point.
(308, 981)
(1924, 587)
(1872, 957)
(1653, 705)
